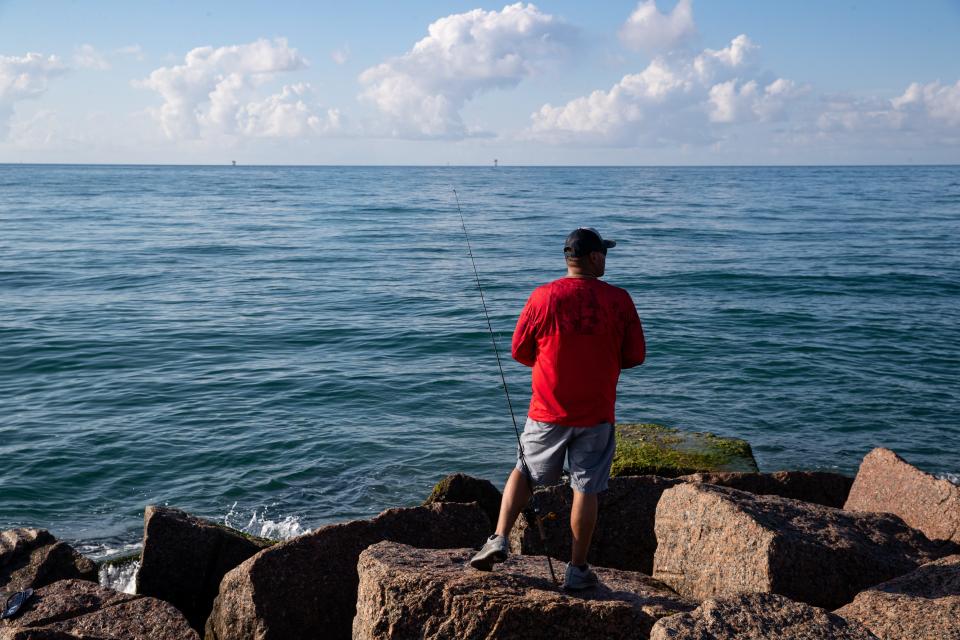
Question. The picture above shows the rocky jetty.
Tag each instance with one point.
(82, 610)
(733, 554)
(714, 541)
(653, 449)
(819, 487)
(887, 483)
(307, 587)
(624, 537)
(921, 605)
(33, 558)
(407, 592)
(184, 559)
(459, 487)
(758, 616)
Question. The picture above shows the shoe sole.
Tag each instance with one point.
(569, 587)
(485, 563)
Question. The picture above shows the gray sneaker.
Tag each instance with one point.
(493, 551)
(576, 579)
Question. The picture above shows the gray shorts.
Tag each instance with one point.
(589, 453)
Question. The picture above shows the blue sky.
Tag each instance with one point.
(668, 82)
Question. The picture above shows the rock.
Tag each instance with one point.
(184, 559)
(432, 595)
(818, 487)
(81, 610)
(34, 558)
(715, 541)
(758, 616)
(307, 587)
(887, 483)
(459, 487)
(624, 537)
(653, 449)
(921, 605)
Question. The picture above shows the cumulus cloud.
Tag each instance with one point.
(750, 101)
(286, 115)
(649, 30)
(675, 98)
(88, 57)
(932, 108)
(215, 91)
(934, 102)
(24, 78)
(422, 92)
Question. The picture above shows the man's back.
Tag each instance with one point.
(577, 334)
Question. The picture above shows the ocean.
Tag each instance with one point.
(279, 348)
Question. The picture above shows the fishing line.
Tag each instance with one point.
(533, 513)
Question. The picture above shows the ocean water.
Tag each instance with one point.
(283, 347)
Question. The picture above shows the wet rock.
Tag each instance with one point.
(715, 541)
(184, 559)
(758, 616)
(887, 483)
(921, 605)
(624, 537)
(459, 487)
(433, 595)
(653, 449)
(34, 558)
(307, 587)
(82, 610)
(818, 487)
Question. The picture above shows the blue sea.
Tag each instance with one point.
(283, 347)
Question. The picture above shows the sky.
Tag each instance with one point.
(655, 82)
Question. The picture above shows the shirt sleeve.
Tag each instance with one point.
(634, 348)
(524, 348)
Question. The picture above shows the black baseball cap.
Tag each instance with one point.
(584, 241)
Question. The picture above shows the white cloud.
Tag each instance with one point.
(649, 30)
(931, 109)
(286, 115)
(88, 57)
(23, 78)
(724, 64)
(933, 102)
(423, 91)
(674, 99)
(215, 92)
(750, 101)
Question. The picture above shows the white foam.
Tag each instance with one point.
(260, 524)
(98, 551)
(122, 577)
(952, 477)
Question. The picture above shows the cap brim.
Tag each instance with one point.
(609, 243)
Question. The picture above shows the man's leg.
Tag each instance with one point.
(516, 494)
(544, 446)
(583, 519)
(590, 455)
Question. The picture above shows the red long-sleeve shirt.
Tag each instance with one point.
(577, 334)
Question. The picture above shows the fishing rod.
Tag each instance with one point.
(531, 511)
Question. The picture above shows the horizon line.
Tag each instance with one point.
(475, 166)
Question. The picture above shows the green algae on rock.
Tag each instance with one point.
(654, 449)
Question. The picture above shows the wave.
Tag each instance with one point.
(119, 567)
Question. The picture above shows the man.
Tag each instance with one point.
(577, 333)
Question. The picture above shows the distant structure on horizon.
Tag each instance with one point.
(495, 163)
(234, 162)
